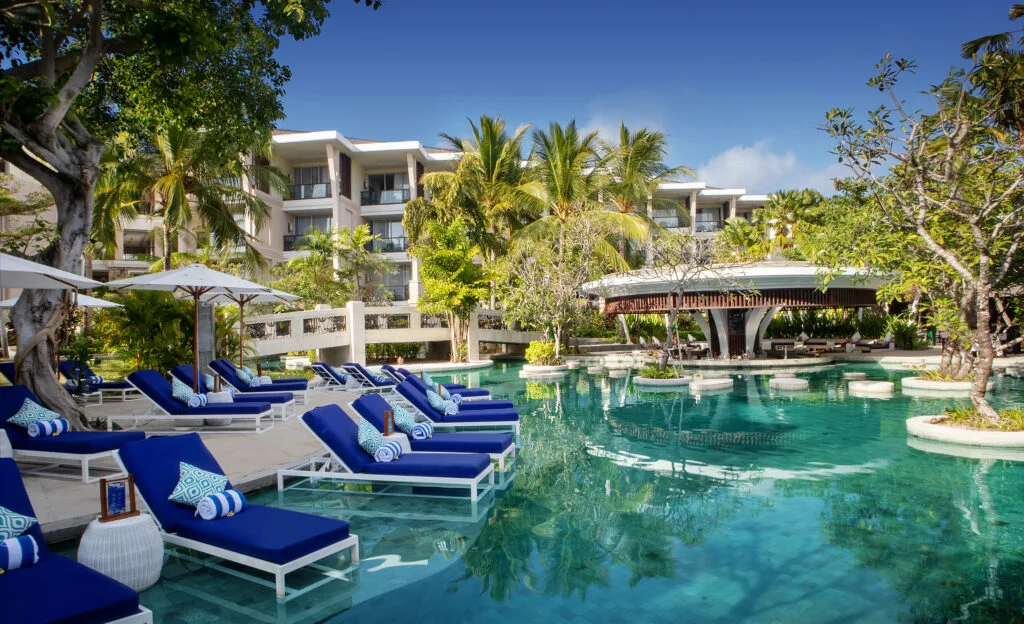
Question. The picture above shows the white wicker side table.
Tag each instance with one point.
(130, 550)
(218, 397)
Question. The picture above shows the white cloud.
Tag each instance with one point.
(760, 170)
(638, 109)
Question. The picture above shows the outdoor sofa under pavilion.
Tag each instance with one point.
(283, 402)
(73, 448)
(55, 588)
(339, 435)
(299, 386)
(415, 399)
(157, 389)
(269, 539)
(500, 446)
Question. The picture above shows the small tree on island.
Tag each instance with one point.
(453, 280)
(950, 180)
(540, 281)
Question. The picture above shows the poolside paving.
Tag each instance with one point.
(251, 461)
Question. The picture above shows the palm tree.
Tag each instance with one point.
(781, 217)
(636, 166)
(185, 175)
(357, 256)
(739, 240)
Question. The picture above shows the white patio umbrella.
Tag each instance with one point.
(82, 301)
(20, 273)
(194, 280)
(222, 296)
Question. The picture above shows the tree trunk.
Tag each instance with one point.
(558, 341)
(983, 363)
(946, 361)
(622, 246)
(167, 247)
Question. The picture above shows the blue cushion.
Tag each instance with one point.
(462, 465)
(227, 371)
(112, 385)
(457, 388)
(268, 533)
(485, 404)
(463, 442)
(7, 370)
(419, 400)
(158, 390)
(59, 590)
(372, 408)
(323, 368)
(339, 433)
(155, 462)
(370, 376)
(78, 442)
(470, 393)
(184, 373)
(14, 497)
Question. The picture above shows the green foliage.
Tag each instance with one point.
(646, 325)
(651, 371)
(152, 330)
(25, 230)
(740, 241)
(392, 351)
(903, 330)
(781, 222)
(827, 324)
(1009, 419)
(542, 353)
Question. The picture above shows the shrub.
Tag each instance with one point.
(542, 354)
(392, 351)
(1011, 419)
(651, 371)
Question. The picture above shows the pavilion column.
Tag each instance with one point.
(753, 322)
(765, 321)
(705, 327)
(722, 328)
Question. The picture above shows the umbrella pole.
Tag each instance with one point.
(241, 330)
(195, 341)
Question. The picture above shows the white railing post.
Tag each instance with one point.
(357, 331)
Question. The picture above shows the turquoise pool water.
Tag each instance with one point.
(747, 506)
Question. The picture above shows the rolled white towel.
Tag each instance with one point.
(96, 379)
(226, 503)
(46, 428)
(422, 431)
(450, 408)
(457, 399)
(265, 380)
(197, 400)
(389, 451)
(254, 382)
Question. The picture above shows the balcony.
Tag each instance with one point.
(671, 222)
(293, 242)
(709, 225)
(401, 293)
(139, 253)
(320, 190)
(378, 197)
(388, 245)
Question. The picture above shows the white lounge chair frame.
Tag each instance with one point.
(249, 392)
(501, 425)
(330, 383)
(508, 454)
(363, 388)
(279, 570)
(367, 384)
(324, 468)
(159, 413)
(144, 616)
(50, 461)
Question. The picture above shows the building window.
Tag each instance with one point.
(305, 223)
(386, 188)
(397, 281)
(391, 233)
(709, 219)
(310, 183)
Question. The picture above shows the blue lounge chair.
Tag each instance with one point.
(340, 436)
(270, 539)
(298, 386)
(71, 448)
(414, 398)
(332, 380)
(471, 395)
(157, 389)
(366, 378)
(500, 446)
(402, 373)
(283, 402)
(57, 589)
(71, 371)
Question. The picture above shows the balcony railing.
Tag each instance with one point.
(401, 293)
(712, 225)
(293, 242)
(320, 190)
(670, 222)
(388, 245)
(377, 197)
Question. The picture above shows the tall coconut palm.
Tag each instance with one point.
(183, 176)
(569, 169)
(487, 190)
(781, 217)
(635, 166)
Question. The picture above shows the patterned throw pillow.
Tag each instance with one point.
(32, 412)
(342, 375)
(209, 382)
(403, 420)
(447, 396)
(243, 376)
(181, 390)
(369, 438)
(428, 380)
(435, 401)
(194, 484)
(13, 524)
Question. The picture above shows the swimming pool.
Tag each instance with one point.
(747, 506)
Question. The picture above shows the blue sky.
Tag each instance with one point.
(740, 87)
